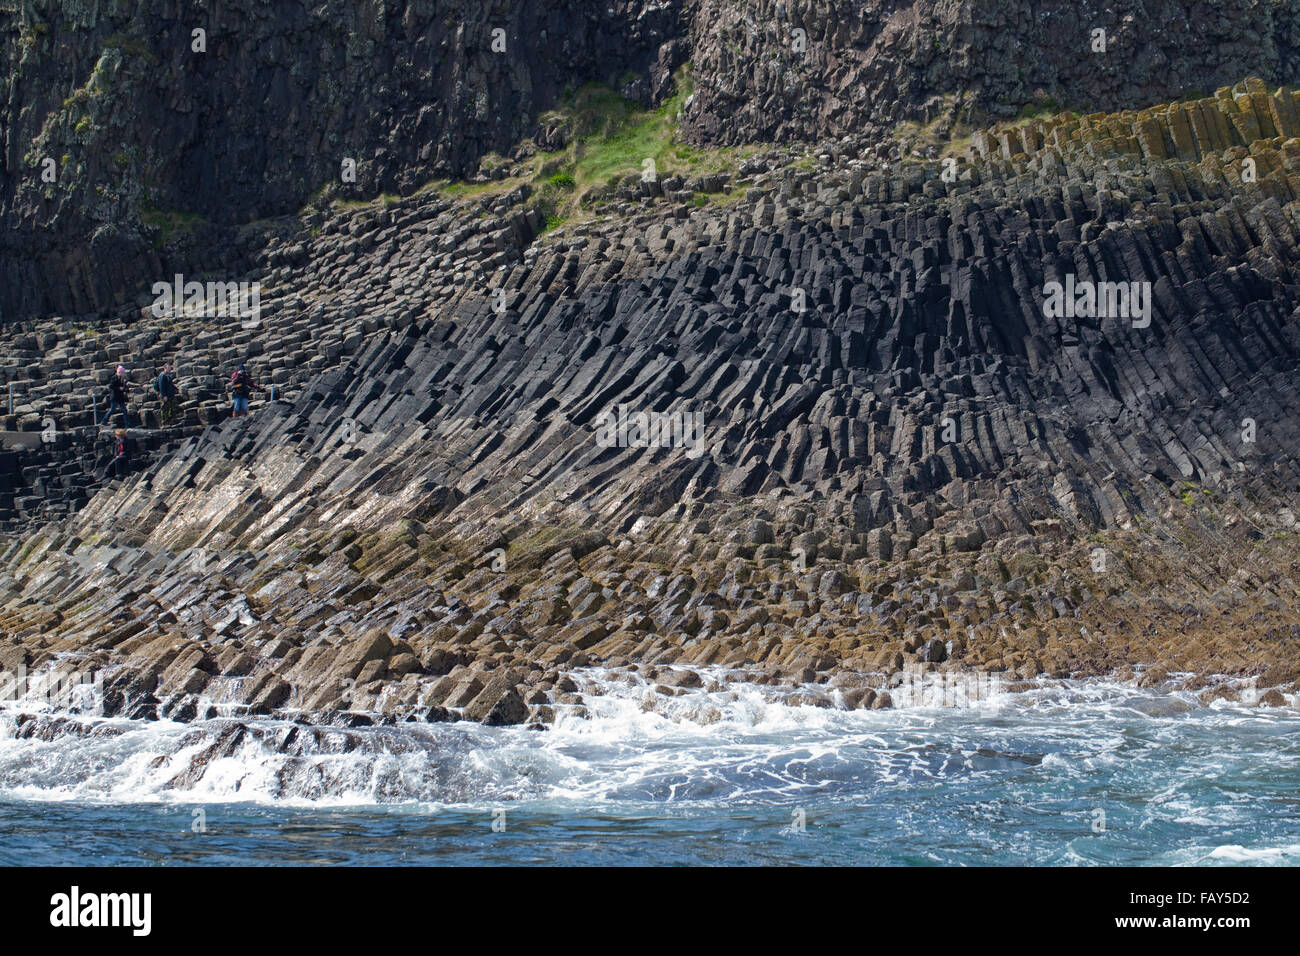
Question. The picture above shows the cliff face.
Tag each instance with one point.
(134, 118)
(892, 449)
(927, 58)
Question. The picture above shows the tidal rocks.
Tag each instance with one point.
(509, 708)
(933, 651)
(859, 698)
(1272, 698)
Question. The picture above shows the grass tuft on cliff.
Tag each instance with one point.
(169, 223)
(612, 138)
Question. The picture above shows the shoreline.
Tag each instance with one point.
(920, 686)
(417, 619)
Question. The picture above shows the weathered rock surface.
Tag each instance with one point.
(138, 119)
(905, 458)
(162, 149)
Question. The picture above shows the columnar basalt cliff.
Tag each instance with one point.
(907, 458)
(136, 119)
(147, 132)
(855, 394)
(854, 63)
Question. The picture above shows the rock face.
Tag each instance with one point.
(133, 149)
(136, 118)
(870, 339)
(858, 62)
(836, 422)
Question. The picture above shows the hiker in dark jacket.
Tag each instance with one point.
(165, 386)
(241, 388)
(117, 386)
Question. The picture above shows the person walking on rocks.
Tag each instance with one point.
(241, 388)
(117, 386)
(120, 461)
(165, 386)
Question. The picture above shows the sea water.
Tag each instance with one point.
(1071, 773)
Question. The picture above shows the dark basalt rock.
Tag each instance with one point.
(901, 446)
(933, 651)
(236, 165)
(87, 91)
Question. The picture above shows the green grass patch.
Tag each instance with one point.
(611, 140)
(463, 190)
(614, 137)
(1032, 112)
(169, 223)
(614, 140)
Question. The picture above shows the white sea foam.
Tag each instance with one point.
(1272, 855)
(709, 745)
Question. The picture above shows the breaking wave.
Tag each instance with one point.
(710, 745)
